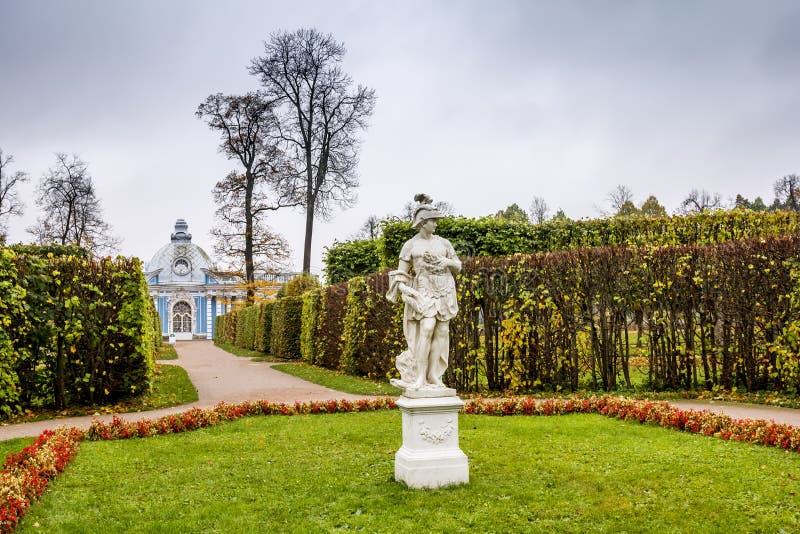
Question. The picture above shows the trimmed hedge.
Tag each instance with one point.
(248, 328)
(488, 236)
(308, 325)
(344, 260)
(264, 327)
(286, 317)
(723, 315)
(330, 325)
(75, 330)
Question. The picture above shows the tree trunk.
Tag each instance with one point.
(309, 232)
(249, 271)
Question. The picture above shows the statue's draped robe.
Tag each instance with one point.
(430, 293)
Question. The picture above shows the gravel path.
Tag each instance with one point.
(218, 376)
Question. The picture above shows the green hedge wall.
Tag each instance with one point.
(488, 236)
(308, 325)
(248, 328)
(330, 325)
(286, 316)
(75, 330)
(264, 327)
(723, 315)
(345, 260)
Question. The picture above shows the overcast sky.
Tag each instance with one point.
(480, 104)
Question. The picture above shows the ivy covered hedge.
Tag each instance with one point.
(723, 315)
(248, 328)
(488, 236)
(75, 330)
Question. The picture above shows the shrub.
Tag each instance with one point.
(330, 325)
(286, 322)
(247, 319)
(308, 326)
(372, 329)
(354, 325)
(488, 236)
(84, 335)
(263, 330)
(298, 285)
(345, 260)
(706, 316)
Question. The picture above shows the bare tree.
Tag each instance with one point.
(445, 208)
(787, 192)
(371, 228)
(247, 126)
(72, 212)
(539, 210)
(319, 118)
(618, 198)
(260, 249)
(699, 201)
(10, 204)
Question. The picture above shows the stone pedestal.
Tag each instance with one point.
(430, 456)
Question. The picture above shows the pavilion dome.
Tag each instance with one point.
(180, 261)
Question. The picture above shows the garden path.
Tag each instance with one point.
(218, 376)
(789, 416)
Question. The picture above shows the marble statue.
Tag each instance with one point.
(424, 280)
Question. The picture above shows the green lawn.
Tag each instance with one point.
(166, 352)
(244, 353)
(170, 388)
(336, 380)
(12, 446)
(577, 473)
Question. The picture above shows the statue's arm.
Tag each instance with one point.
(454, 264)
(404, 267)
(399, 281)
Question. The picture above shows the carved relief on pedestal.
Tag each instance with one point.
(438, 436)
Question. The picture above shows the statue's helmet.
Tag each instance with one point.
(423, 213)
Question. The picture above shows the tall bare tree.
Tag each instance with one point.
(10, 204)
(320, 117)
(72, 214)
(620, 199)
(266, 250)
(698, 201)
(787, 192)
(371, 228)
(445, 208)
(247, 126)
(539, 210)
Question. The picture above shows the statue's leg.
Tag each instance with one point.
(440, 350)
(423, 348)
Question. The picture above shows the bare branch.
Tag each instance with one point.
(10, 204)
(72, 214)
(319, 119)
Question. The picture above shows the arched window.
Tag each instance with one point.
(182, 317)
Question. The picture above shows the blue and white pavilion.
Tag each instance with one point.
(185, 288)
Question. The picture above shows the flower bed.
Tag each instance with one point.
(26, 474)
(759, 432)
(197, 418)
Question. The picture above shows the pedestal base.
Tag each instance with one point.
(430, 456)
